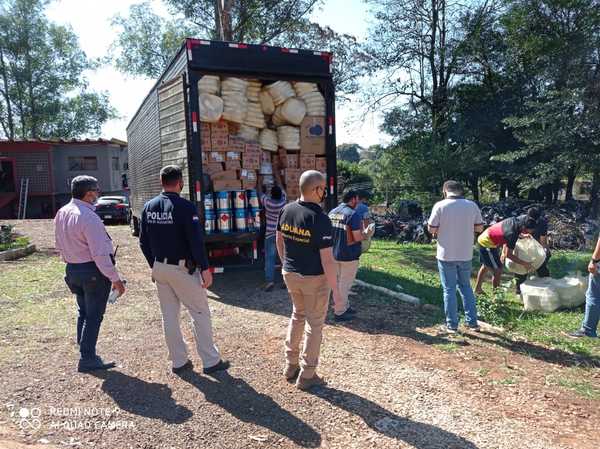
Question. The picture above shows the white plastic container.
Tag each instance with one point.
(528, 250)
(540, 294)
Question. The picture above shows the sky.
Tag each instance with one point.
(90, 20)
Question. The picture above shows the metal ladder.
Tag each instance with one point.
(23, 193)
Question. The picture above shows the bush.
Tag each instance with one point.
(9, 240)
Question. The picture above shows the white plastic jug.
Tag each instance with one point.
(528, 250)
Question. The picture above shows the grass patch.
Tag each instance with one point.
(413, 267)
(19, 242)
(35, 305)
(447, 347)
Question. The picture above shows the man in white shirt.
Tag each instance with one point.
(454, 221)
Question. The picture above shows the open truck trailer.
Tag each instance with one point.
(167, 129)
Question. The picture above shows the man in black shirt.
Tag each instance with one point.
(171, 240)
(304, 243)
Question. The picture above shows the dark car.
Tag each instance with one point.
(113, 208)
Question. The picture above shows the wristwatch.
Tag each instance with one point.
(595, 260)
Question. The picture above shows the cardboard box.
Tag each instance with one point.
(225, 174)
(312, 135)
(215, 157)
(291, 161)
(250, 161)
(219, 136)
(233, 156)
(253, 148)
(205, 143)
(265, 156)
(307, 162)
(212, 168)
(248, 184)
(226, 184)
(292, 192)
(220, 144)
(233, 165)
(321, 164)
(248, 175)
(236, 144)
(292, 177)
(233, 128)
(221, 128)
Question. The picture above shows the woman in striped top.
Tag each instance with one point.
(273, 203)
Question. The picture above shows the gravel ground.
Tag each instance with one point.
(394, 382)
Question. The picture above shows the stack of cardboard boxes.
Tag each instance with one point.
(234, 164)
(310, 157)
(231, 162)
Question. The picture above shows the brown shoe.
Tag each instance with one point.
(306, 383)
(291, 372)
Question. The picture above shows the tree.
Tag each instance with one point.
(352, 176)
(43, 92)
(559, 41)
(147, 41)
(349, 152)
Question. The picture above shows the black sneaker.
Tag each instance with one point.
(180, 369)
(346, 316)
(578, 334)
(221, 366)
(351, 311)
(85, 365)
(268, 286)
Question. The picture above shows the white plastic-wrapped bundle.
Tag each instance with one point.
(249, 133)
(231, 84)
(277, 118)
(289, 137)
(255, 116)
(209, 84)
(280, 91)
(211, 108)
(254, 88)
(302, 88)
(268, 140)
(528, 250)
(235, 106)
(266, 101)
(293, 110)
(315, 103)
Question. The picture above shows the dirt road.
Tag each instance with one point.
(394, 382)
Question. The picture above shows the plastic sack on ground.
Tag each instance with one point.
(528, 250)
(548, 295)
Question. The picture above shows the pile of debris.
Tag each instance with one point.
(569, 225)
(405, 224)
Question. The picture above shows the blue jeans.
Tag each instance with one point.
(91, 288)
(453, 275)
(592, 307)
(270, 257)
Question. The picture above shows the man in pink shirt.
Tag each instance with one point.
(87, 249)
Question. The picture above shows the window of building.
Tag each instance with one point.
(115, 163)
(83, 163)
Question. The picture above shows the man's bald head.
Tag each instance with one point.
(309, 180)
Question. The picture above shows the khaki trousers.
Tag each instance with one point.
(310, 298)
(346, 274)
(175, 286)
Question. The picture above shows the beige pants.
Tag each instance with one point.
(310, 298)
(346, 273)
(175, 286)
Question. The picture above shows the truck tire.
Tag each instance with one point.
(135, 226)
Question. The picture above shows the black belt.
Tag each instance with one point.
(167, 260)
